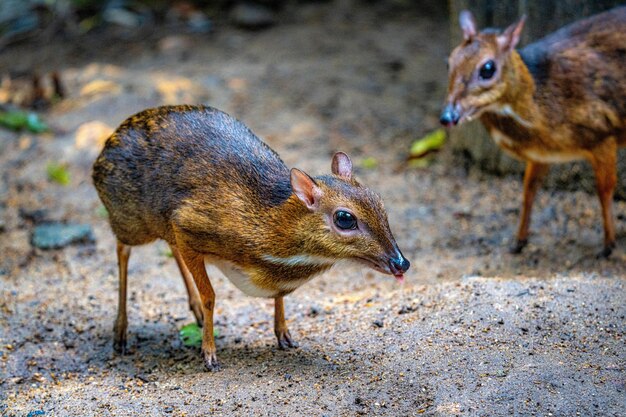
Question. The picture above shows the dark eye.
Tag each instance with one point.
(487, 70)
(345, 220)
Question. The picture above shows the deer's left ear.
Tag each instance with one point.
(342, 165)
(305, 188)
(509, 39)
(468, 25)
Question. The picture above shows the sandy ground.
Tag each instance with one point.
(473, 331)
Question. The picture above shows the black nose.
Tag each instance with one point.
(399, 265)
(449, 116)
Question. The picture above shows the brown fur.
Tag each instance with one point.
(200, 180)
(560, 99)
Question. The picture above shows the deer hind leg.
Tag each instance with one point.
(195, 305)
(121, 322)
(534, 174)
(604, 162)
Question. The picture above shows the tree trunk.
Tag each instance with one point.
(543, 17)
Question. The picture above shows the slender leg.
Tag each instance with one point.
(59, 91)
(532, 179)
(604, 163)
(121, 322)
(194, 299)
(195, 263)
(280, 327)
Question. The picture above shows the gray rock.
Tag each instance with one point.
(59, 235)
(252, 16)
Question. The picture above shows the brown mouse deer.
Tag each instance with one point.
(203, 182)
(560, 99)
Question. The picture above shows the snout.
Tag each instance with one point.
(449, 116)
(399, 265)
(393, 263)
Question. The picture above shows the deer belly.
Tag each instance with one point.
(242, 280)
(533, 153)
(551, 157)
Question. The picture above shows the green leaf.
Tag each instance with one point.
(58, 173)
(18, 120)
(369, 163)
(433, 141)
(14, 120)
(191, 335)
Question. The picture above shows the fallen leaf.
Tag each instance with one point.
(58, 173)
(431, 142)
(191, 334)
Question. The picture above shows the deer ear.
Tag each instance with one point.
(468, 25)
(305, 188)
(509, 39)
(342, 165)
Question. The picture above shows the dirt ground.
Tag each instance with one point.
(473, 331)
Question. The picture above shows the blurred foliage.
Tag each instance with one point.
(20, 18)
(20, 120)
(369, 162)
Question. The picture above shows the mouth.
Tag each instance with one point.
(468, 115)
(382, 268)
(397, 273)
(399, 278)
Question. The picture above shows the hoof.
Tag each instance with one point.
(119, 346)
(606, 252)
(285, 341)
(518, 246)
(210, 361)
(119, 339)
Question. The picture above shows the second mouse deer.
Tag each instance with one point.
(560, 99)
